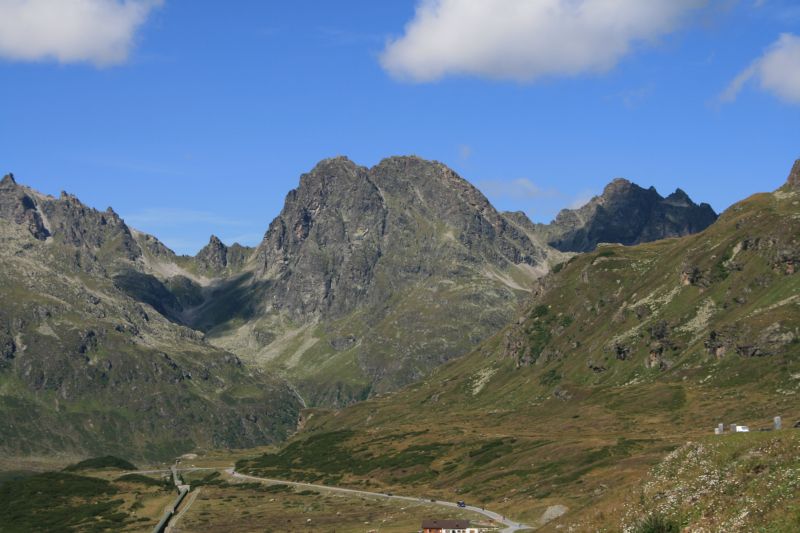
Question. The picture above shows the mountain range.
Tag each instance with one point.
(367, 281)
(596, 407)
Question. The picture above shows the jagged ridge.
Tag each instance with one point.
(626, 214)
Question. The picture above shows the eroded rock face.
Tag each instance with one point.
(74, 223)
(627, 214)
(67, 220)
(743, 341)
(323, 247)
(17, 206)
(405, 219)
(214, 256)
(218, 260)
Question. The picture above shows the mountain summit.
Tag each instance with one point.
(371, 277)
(626, 214)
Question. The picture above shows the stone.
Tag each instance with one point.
(552, 513)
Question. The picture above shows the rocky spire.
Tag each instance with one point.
(214, 256)
(8, 179)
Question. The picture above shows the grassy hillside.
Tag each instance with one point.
(748, 482)
(85, 370)
(71, 503)
(621, 356)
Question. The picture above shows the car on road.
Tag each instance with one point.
(461, 503)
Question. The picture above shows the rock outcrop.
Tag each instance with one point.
(18, 206)
(218, 260)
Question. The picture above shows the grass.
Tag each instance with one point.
(60, 502)
(658, 524)
(733, 482)
(326, 455)
(231, 508)
(68, 502)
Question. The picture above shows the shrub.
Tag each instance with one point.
(658, 523)
(98, 463)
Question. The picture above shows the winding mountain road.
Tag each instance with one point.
(511, 526)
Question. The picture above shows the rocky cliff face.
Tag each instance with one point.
(626, 214)
(405, 219)
(91, 239)
(321, 250)
(19, 207)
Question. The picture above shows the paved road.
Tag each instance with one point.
(511, 526)
(169, 470)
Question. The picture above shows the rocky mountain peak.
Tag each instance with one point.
(679, 198)
(617, 186)
(69, 221)
(794, 176)
(17, 206)
(214, 256)
(679, 193)
(628, 214)
(328, 171)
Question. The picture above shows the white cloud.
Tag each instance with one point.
(516, 189)
(101, 32)
(777, 71)
(526, 39)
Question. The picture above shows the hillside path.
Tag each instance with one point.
(511, 526)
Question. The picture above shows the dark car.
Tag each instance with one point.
(462, 504)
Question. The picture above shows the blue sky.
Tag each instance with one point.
(197, 117)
